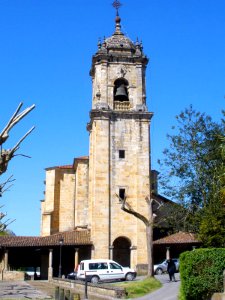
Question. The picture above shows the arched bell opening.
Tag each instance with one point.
(121, 251)
(120, 90)
(121, 95)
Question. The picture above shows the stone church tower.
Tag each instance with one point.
(85, 194)
(119, 157)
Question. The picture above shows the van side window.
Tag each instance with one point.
(114, 266)
(98, 266)
(104, 266)
(93, 266)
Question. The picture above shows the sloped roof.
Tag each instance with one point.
(60, 167)
(178, 238)
(82, 157)
(76, 237)
(76, 159)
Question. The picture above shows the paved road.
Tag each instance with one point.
(169, 290)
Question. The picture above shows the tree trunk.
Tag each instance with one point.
(149, 239)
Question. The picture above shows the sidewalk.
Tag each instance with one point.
(169, 290)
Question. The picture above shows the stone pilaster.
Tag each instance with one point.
(50, 269)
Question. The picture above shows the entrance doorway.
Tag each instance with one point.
(121, 251)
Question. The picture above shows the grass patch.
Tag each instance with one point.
(140, 287)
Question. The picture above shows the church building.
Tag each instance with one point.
(81, 215)
(86, 196)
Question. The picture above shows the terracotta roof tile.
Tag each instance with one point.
(178, 238)
(82, 157)
(66, 167)
(76, 237)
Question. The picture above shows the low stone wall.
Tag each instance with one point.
(12, 275)
(142, 269)
(218, 296)
(98, 291)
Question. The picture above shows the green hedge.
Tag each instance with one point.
(201, 273)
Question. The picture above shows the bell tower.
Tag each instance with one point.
(119, 153)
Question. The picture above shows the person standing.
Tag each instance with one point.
(171, 269)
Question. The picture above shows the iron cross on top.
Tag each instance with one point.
(117, 4)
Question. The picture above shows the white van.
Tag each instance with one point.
(95, 270)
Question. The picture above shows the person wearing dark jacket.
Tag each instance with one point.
(171, 269)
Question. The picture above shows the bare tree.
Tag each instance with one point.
(148, 221)
(7, 154)
(4, 186)
(6, 222)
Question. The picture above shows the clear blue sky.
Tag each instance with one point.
(45, 57)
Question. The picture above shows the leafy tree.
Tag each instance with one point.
(193, 171)
(212, 227)
(222, 149)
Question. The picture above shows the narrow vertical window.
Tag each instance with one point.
(122, 194)
(121, 153)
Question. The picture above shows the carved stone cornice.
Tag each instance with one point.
(112, 115)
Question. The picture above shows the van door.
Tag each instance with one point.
(116, 271)
(80, 271)
(100, 269)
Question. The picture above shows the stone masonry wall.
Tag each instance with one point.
(99, 187)
(81, 194)
(12, 276)
(47, 206)
(57, 209)
(66, 205)
(131, 173)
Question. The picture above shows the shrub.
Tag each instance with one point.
(140, 288)
(201, 273)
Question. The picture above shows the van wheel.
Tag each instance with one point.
(95, 279)
(129, 277)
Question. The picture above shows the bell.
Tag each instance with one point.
(121, 93)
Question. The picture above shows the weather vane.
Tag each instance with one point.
(117, 4)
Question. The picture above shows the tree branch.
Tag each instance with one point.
(13, 121)
(7, 155)
(131, 211)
